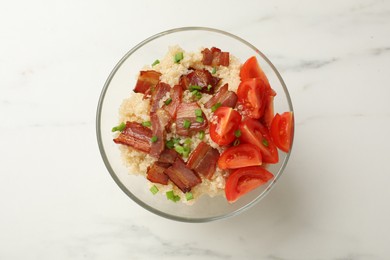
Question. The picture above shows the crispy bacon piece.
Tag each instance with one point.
(158, 94)
(224, 96)
(156, 173)
(202, 78)
(183, 177)
(215, 57)
(136, 136)
(159, 121)
(146, 80)
(203, 160)
(168, 156)
(186, 112)
(176, 96)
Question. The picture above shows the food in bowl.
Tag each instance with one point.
(202, 123)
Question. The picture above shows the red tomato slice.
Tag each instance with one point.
(281, 131)
(240, 156)
(222, 129)
(251, 69)
(253, 132)
(268, 111)
(251, 94)
(244, 180)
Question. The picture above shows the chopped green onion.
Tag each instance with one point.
(171, 196)
(209, 87)
(155, 62)
(189, 196)
(119, 128)
(153, 139)
(172, 143)
(154, 189)
(237, 133)
(265, 142)
(216, 106)
(169, 144)
(186, 124)
(198, 112)
(178, 57)
(214, 70)
(188, 141)
(199, 119)
(182, 150)
(147, 123)
(179, 149)
(168, 101)
(201, 135)
(186, 151)
(196, 94)
(194, 87)
(236, 142)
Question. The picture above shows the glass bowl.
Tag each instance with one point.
(119, 85)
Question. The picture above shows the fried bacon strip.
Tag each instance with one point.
(168, 156)
(215, 57)
(201, 78)
(146, 80)
(176, 96)
(185, 114)
(136, 136)
(183, 177)
(158, 94)
(224, 96)
(203, 160)
(159, 121)
(156, 173)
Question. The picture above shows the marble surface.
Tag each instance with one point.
(59, 202)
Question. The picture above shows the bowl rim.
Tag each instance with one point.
(108, 165)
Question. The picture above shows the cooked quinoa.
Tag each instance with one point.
(136, 108)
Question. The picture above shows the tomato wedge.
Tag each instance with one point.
(251, 69)
(223, 127)
(244, 180)
(269, 113)
(281, 131)
(240, 156)
(251, 94)
(253, 132)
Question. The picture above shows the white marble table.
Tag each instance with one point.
(58, 201)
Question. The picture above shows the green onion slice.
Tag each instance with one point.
(198, 112)
(155, 62)
(170, 144)
(199, 119)
(147, 123)
(196, 94)
(153, 139)
(216, 106)
(214, 70)
(119, 128)
(201, 134)
(194, 87)
(186, 124)
(168, 101)
(265, 142)
(154, 189)
(237, 133)
(171, 196)
(189, 196)
(178, 57)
